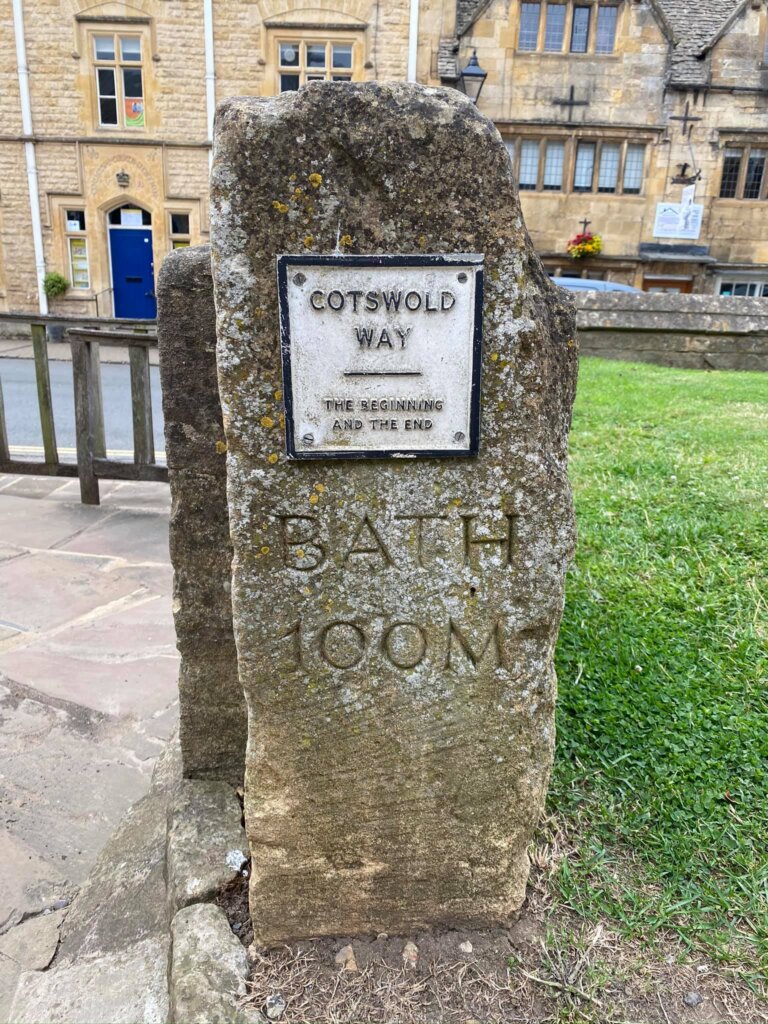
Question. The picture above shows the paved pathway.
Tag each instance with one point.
(88, 670)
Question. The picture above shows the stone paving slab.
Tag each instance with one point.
(29, 946)
(67, 490)
(133, 534)
(29, 585)
(28, 883)
(88, 674)
(46, 524)
(130, 990)
(97, 663)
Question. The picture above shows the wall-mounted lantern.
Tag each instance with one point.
(472, 79)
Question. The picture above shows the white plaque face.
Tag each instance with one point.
(381, 355)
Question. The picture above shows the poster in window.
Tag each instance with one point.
(678, 220)
(134, 113)
(78, 254)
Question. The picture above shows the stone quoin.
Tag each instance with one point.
(396, 592)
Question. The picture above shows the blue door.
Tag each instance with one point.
(133, 277)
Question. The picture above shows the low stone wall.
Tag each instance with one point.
(703, 332)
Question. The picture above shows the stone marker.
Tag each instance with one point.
(212, 709)
(397, 581)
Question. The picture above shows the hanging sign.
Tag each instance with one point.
(678, 220)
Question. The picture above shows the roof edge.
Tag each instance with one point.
(481, 7)
(664, 22)
(726, 25)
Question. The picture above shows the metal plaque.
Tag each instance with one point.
(381, 355)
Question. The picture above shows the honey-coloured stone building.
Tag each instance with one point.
(610, 110)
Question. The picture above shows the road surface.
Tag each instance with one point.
(23, 420)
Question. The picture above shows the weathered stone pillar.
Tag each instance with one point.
(395, 615)
(212, 708)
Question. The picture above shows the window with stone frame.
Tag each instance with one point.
(118, 67)
(528, 175)
(554, 27)
(756, 288)
(77, 249)
(568, 26)
(314, 60)
(612, 166)
(580, 19)
(743, 173)
(554, 164)
(607, 19)
(178, 223)
(530, 18)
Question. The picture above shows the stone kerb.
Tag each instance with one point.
(395, 617)
(212, 707)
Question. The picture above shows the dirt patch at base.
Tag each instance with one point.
(233, 900)
(548, 966)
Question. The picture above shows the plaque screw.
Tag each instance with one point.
(308, 439)
(299, 279)
(462, 277)
(458, 436)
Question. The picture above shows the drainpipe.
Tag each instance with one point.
(413, 40)
(29, 152)
(210, 70)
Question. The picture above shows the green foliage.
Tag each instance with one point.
(55, 284)
(663, 713)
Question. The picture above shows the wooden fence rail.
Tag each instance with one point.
(93, 463)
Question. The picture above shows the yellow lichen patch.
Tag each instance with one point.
(345, 241)
(494, 356)
(272, 459)
(502, 406)
(282, 421)
(319, 488)
(221, 447)
(315, 180)
(293, 177)
(264, 549)
(278, 395)
(308, 241)
(313, 499)
(306, 591)
(422, 241)
(280, 207)
(456, 502)
(299, 552)
(298, 193)
(267, 421)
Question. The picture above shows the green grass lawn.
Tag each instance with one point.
(662, 759)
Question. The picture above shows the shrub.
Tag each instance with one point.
(55, 284)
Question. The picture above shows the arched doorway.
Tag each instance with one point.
(132, 263)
